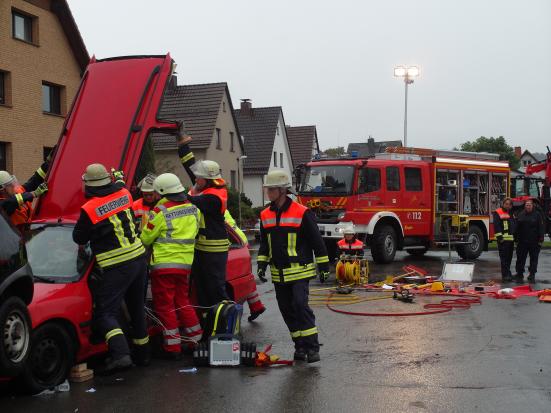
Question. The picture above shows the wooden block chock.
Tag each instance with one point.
(81, 373)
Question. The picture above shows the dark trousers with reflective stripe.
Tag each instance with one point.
(523, 250)
(506, 249)
(209, 277)
(292, 299)
(124, 282)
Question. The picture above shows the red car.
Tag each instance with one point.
(113, 115)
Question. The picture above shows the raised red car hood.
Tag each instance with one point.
(112, 115)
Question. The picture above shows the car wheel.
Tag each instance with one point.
(15, 333)
(51, 358)
(475, 246)
(384, 244)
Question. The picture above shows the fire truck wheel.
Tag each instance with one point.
(50, 360)
(384, 244)
(475, 247)
(418, 252)
(15, 335)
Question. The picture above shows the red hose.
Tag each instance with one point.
(444, 306)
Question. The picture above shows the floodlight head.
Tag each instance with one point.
(413, 71)
(399, 71)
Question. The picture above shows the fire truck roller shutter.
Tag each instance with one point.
(378, 216)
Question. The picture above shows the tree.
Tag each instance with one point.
(334, 152)
(247, 214)
(493, 145)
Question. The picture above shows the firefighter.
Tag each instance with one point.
(16, 200)
(142, 206)
(504, 227)
(253, 299)
(210, 195)
(288, 235)
(349, 244)
(107, 222)
(529, 235)
(171, 229)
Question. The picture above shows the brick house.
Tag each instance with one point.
(207, 113)
(42, 59)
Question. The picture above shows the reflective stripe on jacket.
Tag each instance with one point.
(504, 225)
(171, 230)
(231, 222)
(22, 214)
(119, 242)
(288, 237)
(356, 245)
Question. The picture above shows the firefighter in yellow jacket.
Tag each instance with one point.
(171, 229)
(288, 235)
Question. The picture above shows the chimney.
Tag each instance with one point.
(518, 152)
(246, 107)
(370, 139)
(173, 82)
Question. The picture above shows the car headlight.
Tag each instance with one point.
(341, 215)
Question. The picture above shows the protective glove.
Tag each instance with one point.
(261, 272)
(117, 175)
(323, 272)
(40, 190)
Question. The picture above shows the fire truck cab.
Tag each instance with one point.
(407, 199)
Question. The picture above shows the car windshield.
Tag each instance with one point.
(327, 179)
(53, 255)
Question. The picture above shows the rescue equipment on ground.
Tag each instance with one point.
(352, 270)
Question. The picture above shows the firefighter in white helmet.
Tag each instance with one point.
(288, 235)
(210, 195)
(350, 244)
(143, 205)
(171, 230)
(107, 222)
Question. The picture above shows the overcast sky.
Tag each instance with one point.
(485, 64)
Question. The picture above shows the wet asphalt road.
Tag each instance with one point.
(490, 358)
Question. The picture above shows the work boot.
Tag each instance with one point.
(506, 279)
(532, 278)
(300, 355)
(113, 366)
(254, 314)
(519, 278)
(313, 356)
(141, 355)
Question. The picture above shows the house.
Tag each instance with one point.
(527, 158)
(371, 147)
(303, 143)
(42, 59)
(207, 113)
(266, 146)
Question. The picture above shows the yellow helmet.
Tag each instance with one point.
(96, 175)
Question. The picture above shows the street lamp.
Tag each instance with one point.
(408, 74)
(240, 172)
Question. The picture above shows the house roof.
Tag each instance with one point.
(61, 9)
(301, 141)
(371, 147)
(197, 106)
(258, 130)
(536, 156)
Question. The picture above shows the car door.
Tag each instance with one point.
(371, 194)
(416, 217)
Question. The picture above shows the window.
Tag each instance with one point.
(392, 178)
(277, 130)
(281, 160)
(46, 151)
(218, 139)
(223, 106)
(413, 179)
(51, 98)
(22, 26)
(370, 180)
(275, 158)
(232, 149)
(3, 156)
(233, 179)
(2, 88)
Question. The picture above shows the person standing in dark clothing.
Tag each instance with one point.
(529, 234)
(504, 231)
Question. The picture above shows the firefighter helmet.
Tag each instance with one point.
(349, 230)
(278, 178)
(5, 179)
(146, 184)
(168, 183)
(206, 170)
(96, 175)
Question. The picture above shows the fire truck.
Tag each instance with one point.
(407, 199)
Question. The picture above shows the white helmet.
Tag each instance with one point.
(5, 179)
(146, 184)
(278, 178)
(206, 170)
(168, 183)
(349, 230)
(96, 175)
